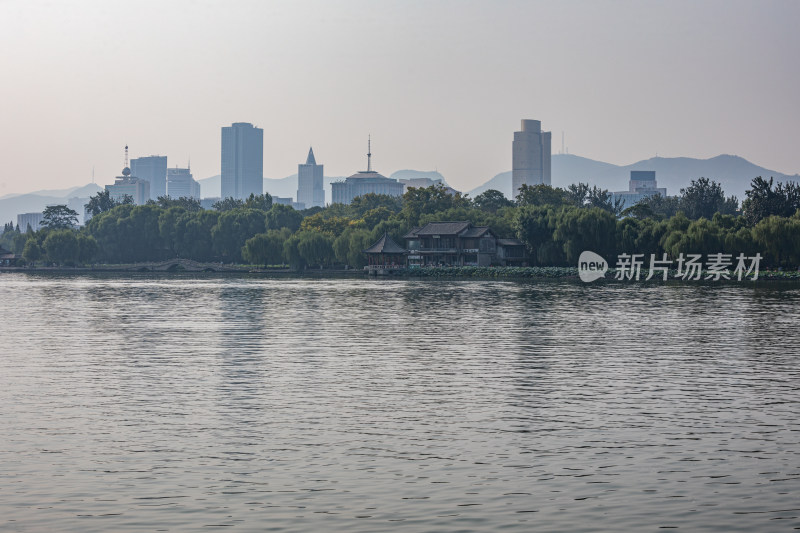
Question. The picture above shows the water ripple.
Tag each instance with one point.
(184, 402)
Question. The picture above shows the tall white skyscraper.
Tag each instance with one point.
(152, 169)
(310, 189)
(242, 161)
(530, 156)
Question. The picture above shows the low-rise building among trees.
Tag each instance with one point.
(7, 258)
(460, 244)
(385, 256)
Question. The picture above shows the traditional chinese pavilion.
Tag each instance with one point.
(385, 256)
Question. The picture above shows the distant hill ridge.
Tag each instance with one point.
(734, 173)
(12, 205)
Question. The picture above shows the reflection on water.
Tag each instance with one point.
(176, 403)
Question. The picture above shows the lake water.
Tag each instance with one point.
(181, 403)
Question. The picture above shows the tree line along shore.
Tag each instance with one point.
(555, 224)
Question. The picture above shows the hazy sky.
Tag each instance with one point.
(438, 84)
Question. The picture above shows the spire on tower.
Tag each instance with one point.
(369, 153)
(125, 170)
(310, 159)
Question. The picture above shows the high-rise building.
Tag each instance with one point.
(153, 169)
(29, 220)
(181, 184)
(310, 188)
(242, 161)
(364, 182)
(530, 156)
(79, 206)
(129, 185)
(641, 185)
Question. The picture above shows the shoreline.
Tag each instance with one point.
(444, 273)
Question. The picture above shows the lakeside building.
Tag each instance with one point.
(181, 184)
(386, 256)
(242, 171)
(364, 182)
(461, 244)
(152, 169)
(531, 156)
(642, 184)
(310, 186)
(7, 258)
(32, 220)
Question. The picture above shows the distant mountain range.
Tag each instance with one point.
(734, 173)
(12, 205)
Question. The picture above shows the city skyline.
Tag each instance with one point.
(439, 86)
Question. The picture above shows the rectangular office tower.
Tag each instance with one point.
(242, 161)
(152, 169)
(181, 184)
(531, 156)
(310, 189)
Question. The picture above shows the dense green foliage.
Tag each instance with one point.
(555, 224)
(58, 217)
(102, 201)
(763, 201)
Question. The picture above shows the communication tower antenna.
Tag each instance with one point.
(562, 142)
(126, 155)
(369, 153)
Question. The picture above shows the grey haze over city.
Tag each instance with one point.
(440, 86)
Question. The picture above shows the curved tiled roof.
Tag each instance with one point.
(413, 233)
(476, 231)
(443, 228)
(385, 245)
